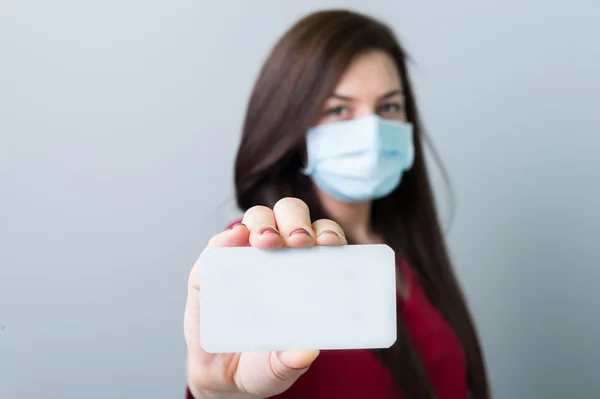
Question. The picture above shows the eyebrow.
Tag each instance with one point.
(389, 94)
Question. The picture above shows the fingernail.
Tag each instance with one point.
(329, 232)
(233, 226)
(299, 231)
(268, 230)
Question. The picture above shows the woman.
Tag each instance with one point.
(332, 135)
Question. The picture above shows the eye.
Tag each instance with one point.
(337, 112)
(390, 108)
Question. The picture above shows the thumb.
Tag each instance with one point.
(292, 364)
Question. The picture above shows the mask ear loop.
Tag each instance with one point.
(306, 169)
(409, 162)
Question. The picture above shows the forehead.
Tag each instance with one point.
(373, 73)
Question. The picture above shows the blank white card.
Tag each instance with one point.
(297, 298)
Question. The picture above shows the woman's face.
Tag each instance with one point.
(370, 85)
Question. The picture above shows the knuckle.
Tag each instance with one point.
(257, 214)
(259, 209)
(327, 223)
(291, 203)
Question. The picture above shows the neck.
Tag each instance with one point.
(355, 218)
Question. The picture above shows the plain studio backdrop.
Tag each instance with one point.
(119, 122)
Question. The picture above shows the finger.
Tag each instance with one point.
(191, 324)
(328, 233)
(293, 221)
(263, 229)
(292, 364)
(236, 236)
(202, 368)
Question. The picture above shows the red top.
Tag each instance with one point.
(357, 374)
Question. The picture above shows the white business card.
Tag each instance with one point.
(297, 298)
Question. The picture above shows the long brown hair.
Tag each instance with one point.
(299, 75)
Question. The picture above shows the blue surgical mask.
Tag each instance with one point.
(359, 159)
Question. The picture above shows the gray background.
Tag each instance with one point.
(118, 127)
